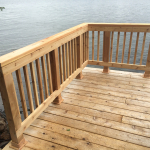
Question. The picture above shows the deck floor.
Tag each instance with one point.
(99, 112)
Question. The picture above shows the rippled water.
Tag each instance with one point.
(25, 22)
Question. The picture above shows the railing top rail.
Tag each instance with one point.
(15, 55)
(120, 24)
(119, 27)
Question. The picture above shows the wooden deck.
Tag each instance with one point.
(99, 112)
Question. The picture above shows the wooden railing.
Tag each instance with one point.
(108, 39)
(53, 63)
(59, 58)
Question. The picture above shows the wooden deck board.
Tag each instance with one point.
(100, 112)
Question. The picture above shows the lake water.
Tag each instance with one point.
(26, 22)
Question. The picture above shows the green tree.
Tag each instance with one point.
(1, 8)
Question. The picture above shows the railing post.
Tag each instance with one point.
(10, 102)
(79, 55)
(147, 73)
(106, 46)
(55, 74)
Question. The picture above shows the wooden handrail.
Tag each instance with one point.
(119, 27)
(57, 60)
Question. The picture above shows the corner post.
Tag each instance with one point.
(147, 73)
(106, 46)
(79, 55)
(10, 102)
(55, 74)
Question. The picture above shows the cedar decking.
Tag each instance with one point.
(100, 112)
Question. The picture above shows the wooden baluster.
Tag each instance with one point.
(21, 91)
(44, 76)
(67, 59)
(70, 62)
(136, 47)
(49, 73)
(75, 48)
(39, 80)
(147, 73)
(106, 46)
(117, 49)
(129, 52)
(64, 61)
(27, 81)
(143, 48)
(111, 50)
(55, 74)
(60, 62)
(123, 49)
(73, 56)
(34, 84)
(11, 107)
(98, 45)
(79, 55)
(83, 47)
(87, 45)
(92, 45)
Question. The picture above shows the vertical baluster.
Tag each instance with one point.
(11, 106)
(87, 45)
(21, 91)
(79, 55)
(49, 73)
(143, 48)
(39, 80)
(60, 62)
(123, 49)
(34, 84)
(73, 56)
(44, 76)
(64, 61)
(136, 47)
(70, 62)
(129, 52)
(83, 47)
(111, 52)
(92, 45)
(98, 45)
(117, 49)
(147, 73)
(67, 59)
(75, 47)
(55, 74)
(106, 46)
(27, 81)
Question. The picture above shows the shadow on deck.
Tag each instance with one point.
(99, 112)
